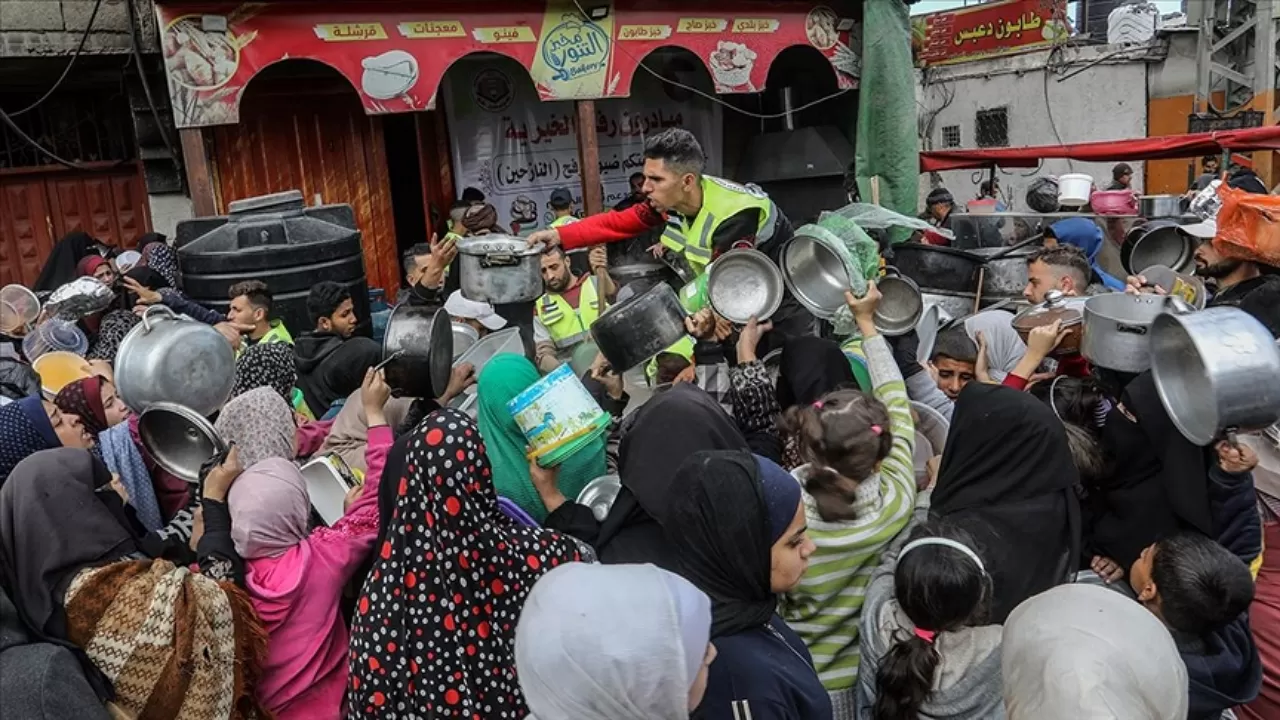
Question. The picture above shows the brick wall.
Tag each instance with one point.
(41, 28)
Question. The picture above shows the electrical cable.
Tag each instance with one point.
(146, 87)
(84, 37)
(7, 120)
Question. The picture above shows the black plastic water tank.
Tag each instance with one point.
(279, 240)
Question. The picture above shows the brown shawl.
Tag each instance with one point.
(349, 434)
(176, 645)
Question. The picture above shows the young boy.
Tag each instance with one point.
(1201, 590)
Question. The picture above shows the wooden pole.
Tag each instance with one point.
(195, 157)
(589, 158)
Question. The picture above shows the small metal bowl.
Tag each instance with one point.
(599, 495)
(464, 336)
(815, 275)
(179, 439)
(901, 304)
(744, 283)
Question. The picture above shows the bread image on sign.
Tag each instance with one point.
(389, 75)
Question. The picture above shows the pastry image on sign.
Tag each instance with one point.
(731, 64)
(389, 75)
(201, 60)
(524, 210)
(820, 28)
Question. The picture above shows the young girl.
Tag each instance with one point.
(924, 650)
(859, 490)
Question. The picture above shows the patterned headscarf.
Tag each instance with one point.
(24, 430)
(261, 424)
(160, 257)
(83, 398)
(435, 628)
(266, 365)
(115, 325)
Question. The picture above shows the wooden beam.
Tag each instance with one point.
(195, 158)
(589, 158)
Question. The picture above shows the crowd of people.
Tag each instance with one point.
(806, 528)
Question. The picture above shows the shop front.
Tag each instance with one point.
(396, 107)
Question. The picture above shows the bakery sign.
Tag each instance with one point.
(988, 29)
(396, 54)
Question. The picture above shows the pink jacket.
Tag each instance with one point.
(297, 596)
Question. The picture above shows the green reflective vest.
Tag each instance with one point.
(566, 325)
(721, 199)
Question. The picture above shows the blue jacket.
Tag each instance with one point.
(1085, 234)
(763, 674)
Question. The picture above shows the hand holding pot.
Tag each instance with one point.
(374, 394)
(549, 237)
(462, 377)
(864, 309)
(611, 380)
(1042, 340)
(218, 482)
(1236, 459)
(749, 338)
(547, 482)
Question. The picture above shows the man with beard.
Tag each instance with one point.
(570, 305)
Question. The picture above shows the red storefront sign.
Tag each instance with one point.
(989, 29)
(395, 53)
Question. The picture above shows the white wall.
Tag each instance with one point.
(1105, 102)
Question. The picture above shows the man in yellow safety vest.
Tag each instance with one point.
(561, 203)
(564, 314)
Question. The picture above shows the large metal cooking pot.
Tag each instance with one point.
(1216, 372)
(167, 358)
(1116, 327)
(179, 439)
(933, 267)
(951, 305)
(417, 351)
(500, 269)
(815, 274)
(1005, 276)
(1056, 306)
(1159, 242)
(1160, 206)
(744, 283)
(640, 327)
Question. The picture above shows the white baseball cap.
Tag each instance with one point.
(1205, 229)
(459, 306)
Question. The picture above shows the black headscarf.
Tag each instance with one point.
(811, 367)
(147, 277)
(54, 523)
(719, 529)
(60, 268)
(1008, 478)
(1184, 469)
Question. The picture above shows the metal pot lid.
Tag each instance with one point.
(743, 283)
(1055, 307)
(179, 439)
(464, 336)
(498, 244)
(600, 494)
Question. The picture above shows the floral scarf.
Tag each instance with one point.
(261, 424)
(266, 365)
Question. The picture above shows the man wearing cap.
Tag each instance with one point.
(1121, 177)
(938, 206)
(479, 315)
(561, 203)
(570, 305)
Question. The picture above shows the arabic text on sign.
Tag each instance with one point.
(755, 25)
(1000, 29)
(702, 25)
(342, 32)
(644, 32)
(509, 34)
(573, 50)
(432, 29)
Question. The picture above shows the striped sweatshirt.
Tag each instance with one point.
(824, 610)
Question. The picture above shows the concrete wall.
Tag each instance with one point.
(35, 28)
(1107, 101)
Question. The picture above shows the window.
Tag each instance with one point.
(992, 127)
(951, 136)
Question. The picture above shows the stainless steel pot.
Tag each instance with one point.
(815, 275)
(743, 283)
(951, 305)
(417, 351)
(1116, 327)
(1157, 243)
(1216, 372)
(179, 439)
(167, 358)
(640, 327)
(901, 304)
(500, 269)
(1160, 206)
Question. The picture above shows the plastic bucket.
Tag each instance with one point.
(557, 416)
(59, 369)
(1074, 189)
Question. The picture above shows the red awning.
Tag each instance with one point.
(395, 52)
(1153, 148)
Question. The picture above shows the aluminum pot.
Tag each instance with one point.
(179, 439)
(901, 304)
(743, 283)
(1215, 371)
(936, 268)
(1157, 243)
(815, 275)
(1116, 326)
(640, 327)
(417, 351)
(168, 358)
(1160, 206)
(500, 269)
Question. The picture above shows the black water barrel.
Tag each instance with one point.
(279, 240)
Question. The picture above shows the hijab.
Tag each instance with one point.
(723, 522)
(639, 670)
(24, 429)
(148, 277)
(349, 435)
(811, 367)
(266, 365)
(1081, 651)
(502, 379)
(161, 258)
(60, 268)
(1004, 347)
(148, 238)
(89, 264)
(1084, 233)
(261, 424)
(1007, 477)
(114, 327)
(83, 398)
(270, 509)
(436, 622)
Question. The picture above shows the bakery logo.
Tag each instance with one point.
(575, 49)
(492, 90)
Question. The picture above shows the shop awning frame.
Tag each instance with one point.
(1151, 148)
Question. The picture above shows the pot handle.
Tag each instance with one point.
(489, 260)
(163, 309)
(1177, 305)
(1131, 329)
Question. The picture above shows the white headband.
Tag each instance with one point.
(945, 543)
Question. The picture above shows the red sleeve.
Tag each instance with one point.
(1017, 382)
(1075, 366)
(612, 226)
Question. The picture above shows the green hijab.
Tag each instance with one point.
(502, 378)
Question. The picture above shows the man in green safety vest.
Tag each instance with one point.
(564, 314)
(702, 216)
